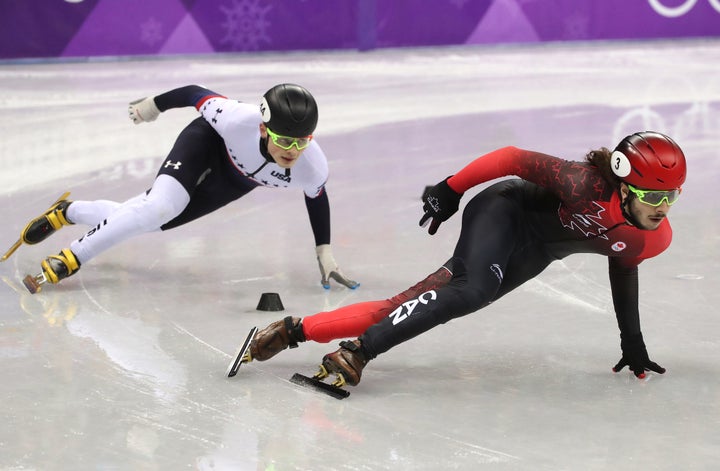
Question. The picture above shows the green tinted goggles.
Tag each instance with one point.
(656, 197)
(287, 142)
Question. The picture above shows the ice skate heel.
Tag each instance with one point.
(43, 226)
(54, 268)
(346, 363)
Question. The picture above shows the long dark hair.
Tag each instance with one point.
(601, 158)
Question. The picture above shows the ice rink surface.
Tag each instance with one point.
(122, 366)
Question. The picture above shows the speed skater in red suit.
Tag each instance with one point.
(615, 203)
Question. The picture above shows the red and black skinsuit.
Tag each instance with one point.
(510, 232)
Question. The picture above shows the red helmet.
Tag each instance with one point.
(649, 160)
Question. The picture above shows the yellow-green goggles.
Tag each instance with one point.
(287, 142)
(656, 197)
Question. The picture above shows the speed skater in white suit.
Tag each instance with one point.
(219, 157)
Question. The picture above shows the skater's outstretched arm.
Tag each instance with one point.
(318, 209)
(624, 286)
(148, 109)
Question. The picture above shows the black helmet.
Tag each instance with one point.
(289, 110)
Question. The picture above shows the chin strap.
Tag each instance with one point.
(263, 150)
(623, 205)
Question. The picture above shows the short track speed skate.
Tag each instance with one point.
(42, 226)
(54, 268)
(241, 354)
(345, 363)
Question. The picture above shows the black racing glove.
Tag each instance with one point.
(439, 203)
(635, 356)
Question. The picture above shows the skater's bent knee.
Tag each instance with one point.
(152, 213)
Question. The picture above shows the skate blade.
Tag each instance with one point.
(12, 250)
(317, 385)
(241, 354)
(34, 283)
(62, 197)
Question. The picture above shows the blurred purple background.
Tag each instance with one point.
(81, 28)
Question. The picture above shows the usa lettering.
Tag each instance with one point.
(406, 309)
(280, 176)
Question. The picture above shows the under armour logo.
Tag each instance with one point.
(176, 165)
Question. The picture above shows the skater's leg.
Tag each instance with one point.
(480, 261)
(146, 213)
(201, 151)
(90, 213)
(345, 322)
(348, 321)
(353, 320)
(479, 265)
(434, 280)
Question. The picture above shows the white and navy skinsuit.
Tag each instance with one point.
(216, 159)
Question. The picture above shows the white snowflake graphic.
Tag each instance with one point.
(245, 25)
(151, 31)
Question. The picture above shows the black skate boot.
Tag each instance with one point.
(54, 269)
(275, 338)
(45, 225)
(347, 363)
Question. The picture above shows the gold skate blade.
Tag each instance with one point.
(12, 250)
(317, 385)
(33, 283)
(62, 197)
(242, 354)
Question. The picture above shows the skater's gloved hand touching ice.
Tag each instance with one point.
(143, 110)
(439, 203)
(329, 268)
(635, 356)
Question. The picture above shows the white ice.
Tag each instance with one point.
(122, 366)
